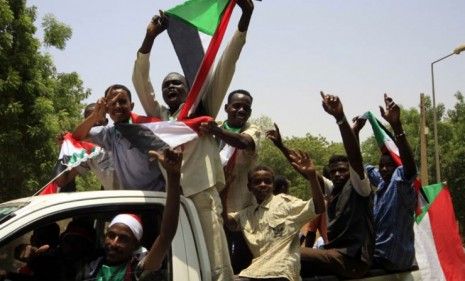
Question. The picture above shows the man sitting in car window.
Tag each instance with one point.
(123, 259)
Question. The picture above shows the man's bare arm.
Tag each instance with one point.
(171, 161)
(333, 106)
(237, 140)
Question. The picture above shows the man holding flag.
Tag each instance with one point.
(133, 167)
(202, 172)
(238, 140)
(395, 198)
(175, 86)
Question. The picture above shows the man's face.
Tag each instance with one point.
(386, 167)
(120, 243)
(339, 173)
(238, 109)
(174, 89)
(261, 185)
(119, 105)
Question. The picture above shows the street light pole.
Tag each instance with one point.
(456, 51)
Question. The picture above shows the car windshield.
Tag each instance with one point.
(7, 210)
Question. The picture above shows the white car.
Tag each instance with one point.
(187, 261)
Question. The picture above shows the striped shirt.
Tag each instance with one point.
(394, 208)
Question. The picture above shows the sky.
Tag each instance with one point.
(356, 49)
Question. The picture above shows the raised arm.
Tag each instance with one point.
(237, 140)
(357, 126)
(140, 74)
(304, 165)
(83, 129)
(224, 71)
(275, 137)
(171, 162)
(333, 106)
(157, 25)
(247, 10)
(391, 113)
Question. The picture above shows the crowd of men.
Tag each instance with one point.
(364, 214)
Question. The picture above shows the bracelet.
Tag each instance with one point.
(340, 122)
(402, 134)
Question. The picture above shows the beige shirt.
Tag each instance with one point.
(239, 196)
(271, 230)
(201, 167)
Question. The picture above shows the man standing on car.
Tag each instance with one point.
(395, 197)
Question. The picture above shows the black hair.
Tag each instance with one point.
(337, 158)
(239, 91)
(326, 172)
(182, 79)
(88, 108)
(259, 168)
(117, 87)
(280, 185)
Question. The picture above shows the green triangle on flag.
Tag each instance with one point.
(431, 192)
(202, 14)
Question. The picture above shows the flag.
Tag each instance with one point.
(185, 21)
(204, 15)
(386, 144)
(162, 134)
(143, 132)
(439, 251)
(228, 155)
(383, 137)
(72, 154)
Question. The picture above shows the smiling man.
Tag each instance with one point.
(272, 224)
(124, 259)
(133, 168)
(238, 133)
(241, 139)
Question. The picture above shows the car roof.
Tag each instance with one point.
(23, 206)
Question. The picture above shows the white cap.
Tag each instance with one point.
(132, 221)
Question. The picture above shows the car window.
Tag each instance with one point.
(7, 209)
(59, 247)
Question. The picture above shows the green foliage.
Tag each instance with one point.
(87, 182)
(37, 102)
(56, 33)
(319, 149)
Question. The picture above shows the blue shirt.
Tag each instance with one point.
(394, 208)
(133, 168)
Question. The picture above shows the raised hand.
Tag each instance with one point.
(332, 105)
(358, 124)
(157, 25)
(247, 10)
(392, 111)
(302, 162)
(208, 127)
(246, 5)
(170, 159)
(100, 110)
(275, 136)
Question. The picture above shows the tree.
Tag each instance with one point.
(37, 102)
(318, 147)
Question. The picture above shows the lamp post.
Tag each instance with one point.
(456, 51)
